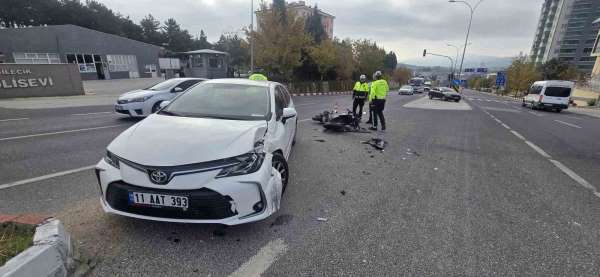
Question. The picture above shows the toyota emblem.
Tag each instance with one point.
(159, 177)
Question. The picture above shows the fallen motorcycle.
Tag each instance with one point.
(341, 123)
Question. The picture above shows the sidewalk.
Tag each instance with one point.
(595, 112)
(98, 93)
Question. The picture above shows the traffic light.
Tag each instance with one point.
(424, 52)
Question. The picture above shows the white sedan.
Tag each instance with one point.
(143, 102)
(215, 154)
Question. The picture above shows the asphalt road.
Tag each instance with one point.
(484, 187)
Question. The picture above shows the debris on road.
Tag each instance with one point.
(322, 219)
(320, 140)
(378, 143)
(343, 192)
(435, 168)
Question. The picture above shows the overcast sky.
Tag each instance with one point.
(500, 27)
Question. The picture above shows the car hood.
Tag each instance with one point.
(138, 93)
(161, 140)
(452, 93)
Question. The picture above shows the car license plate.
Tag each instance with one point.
(119, 107)
(152, 199)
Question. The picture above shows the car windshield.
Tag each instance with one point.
(223, 101)
(406, 87)
(558, 92)
(164, 85)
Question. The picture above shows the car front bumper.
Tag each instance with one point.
(229, 201)
(135, 109)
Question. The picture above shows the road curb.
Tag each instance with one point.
(322, 93)
(50, 255)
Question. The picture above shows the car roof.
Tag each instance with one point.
(240, 81)
(555, 83)
(187, 79)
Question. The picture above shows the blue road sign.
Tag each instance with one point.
(501, 79)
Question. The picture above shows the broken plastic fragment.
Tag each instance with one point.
(322, 219)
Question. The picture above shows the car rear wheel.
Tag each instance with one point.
(280, 164)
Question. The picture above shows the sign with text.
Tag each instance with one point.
(31, 80)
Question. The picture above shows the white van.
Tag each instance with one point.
(549, 95)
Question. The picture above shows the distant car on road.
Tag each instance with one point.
(216, 154)
(549, 95)
(446, 94)
(143, 102)
(406, 90)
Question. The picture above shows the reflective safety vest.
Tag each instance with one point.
(379, 89)
(258, 77)
(361, 90)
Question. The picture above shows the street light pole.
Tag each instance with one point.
(456, 59)
(252, 36)
(472, 8)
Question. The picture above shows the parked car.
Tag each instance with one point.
(216, 154)
(143, 102)
(549, 95)
(446, 94)
(406, 90)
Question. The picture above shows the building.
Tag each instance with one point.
(595, 80)
(565, 32)
(205, 63)
(98, 55)
(301, 9)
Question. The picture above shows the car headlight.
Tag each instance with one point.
(111, 159)
(245, 164)
(140, 99)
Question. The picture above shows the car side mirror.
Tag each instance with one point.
(177, 89)
(288, 113)
(163, 104)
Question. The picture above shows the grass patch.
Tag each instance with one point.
(14, 239)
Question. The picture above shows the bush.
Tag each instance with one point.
(592, 102)
(14, 239)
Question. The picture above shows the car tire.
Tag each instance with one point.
(558, 110)
(280, 164)
(156, 107)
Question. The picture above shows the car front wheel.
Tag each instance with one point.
(156, 107)
(280, 164)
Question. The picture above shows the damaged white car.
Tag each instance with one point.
(215, 154)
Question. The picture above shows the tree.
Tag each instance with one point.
(280, 8)
(390, 62)
(344, 62)
(521, 75)
(557, 70)
(151, 30)
(178, 40)
(314, 26)
(324, 57)
(402, 75)
(238, 49)
(278, 44)
(201, 42)
(369, 57)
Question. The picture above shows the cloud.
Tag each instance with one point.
(500, 27)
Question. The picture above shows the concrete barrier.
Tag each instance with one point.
(39, 80)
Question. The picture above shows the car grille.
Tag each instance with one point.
(204, 204)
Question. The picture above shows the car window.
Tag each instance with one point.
(187, 84)
(535, 90)
(223, 101)
(280, 103)
(164, 85)
(557, 92)
(285, 97)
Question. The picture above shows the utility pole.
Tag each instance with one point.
(472, 8)
(252, 36)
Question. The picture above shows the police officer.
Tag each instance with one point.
(258, 76)
(379, 91)
(361, 92)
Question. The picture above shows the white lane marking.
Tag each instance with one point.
(260, 262)
(573, 175)
(518, 135)
(505, 126)
(303, 120)
(538, 149)
(13, 119)
(62, 132)
(534, 113)
(81, 114)
(45, 177)
(569, 124)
